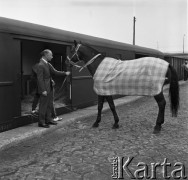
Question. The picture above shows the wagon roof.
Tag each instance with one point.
(26, 29)
(177, 55)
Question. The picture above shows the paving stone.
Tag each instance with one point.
(96, 176)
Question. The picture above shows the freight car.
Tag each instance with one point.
(177, 62)
(20, 47)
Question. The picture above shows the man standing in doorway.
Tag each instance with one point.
(45, 88)
(185, 66)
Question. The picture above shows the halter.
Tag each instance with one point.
(76, 53)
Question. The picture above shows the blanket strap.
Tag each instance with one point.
(90, 61)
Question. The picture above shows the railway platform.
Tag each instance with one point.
(17, 135)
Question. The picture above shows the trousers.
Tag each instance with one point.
(36, 101)
(45, 107)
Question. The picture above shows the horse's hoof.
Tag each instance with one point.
(115, 126)
(95, 125)
(157, 130)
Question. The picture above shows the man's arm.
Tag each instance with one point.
(58, 73)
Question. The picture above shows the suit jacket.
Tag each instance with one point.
(44, 76)
(34, 72)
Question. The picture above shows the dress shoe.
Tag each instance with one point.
(34, 111)
(43, 125)
(52, 123)
(56, 119)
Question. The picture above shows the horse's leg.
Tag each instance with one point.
(100, 106)
(160, 119)
(113, 109)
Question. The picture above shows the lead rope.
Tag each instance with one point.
(58, 93)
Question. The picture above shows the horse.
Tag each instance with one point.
(93, 59)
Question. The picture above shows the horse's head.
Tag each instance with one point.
(75, 54)
(81, 52)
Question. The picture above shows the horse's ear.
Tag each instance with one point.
(75, 43)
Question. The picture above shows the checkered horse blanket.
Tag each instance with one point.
(144, 76)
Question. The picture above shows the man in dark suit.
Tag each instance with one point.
(45, 88)
(185, 66)
(36, 97)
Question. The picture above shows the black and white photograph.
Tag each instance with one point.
(93, 89)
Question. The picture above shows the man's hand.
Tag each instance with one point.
(44, 93)
(67, 73)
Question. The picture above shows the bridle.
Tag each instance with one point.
(76, 54)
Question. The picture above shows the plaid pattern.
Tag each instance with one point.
(144, 76)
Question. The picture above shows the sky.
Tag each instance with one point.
(160, 24)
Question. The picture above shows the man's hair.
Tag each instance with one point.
(44, 52)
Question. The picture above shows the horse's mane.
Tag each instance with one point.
(96, 51)
(85, 44)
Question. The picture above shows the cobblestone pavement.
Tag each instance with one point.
(79, 152)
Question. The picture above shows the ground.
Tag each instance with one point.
(79, 152)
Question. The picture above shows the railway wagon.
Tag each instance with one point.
(177, 63)
(20, 47)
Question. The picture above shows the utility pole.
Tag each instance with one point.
(157, 45)
(183, 42)
(134, 20)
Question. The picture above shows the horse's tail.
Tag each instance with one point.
(174, 91)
